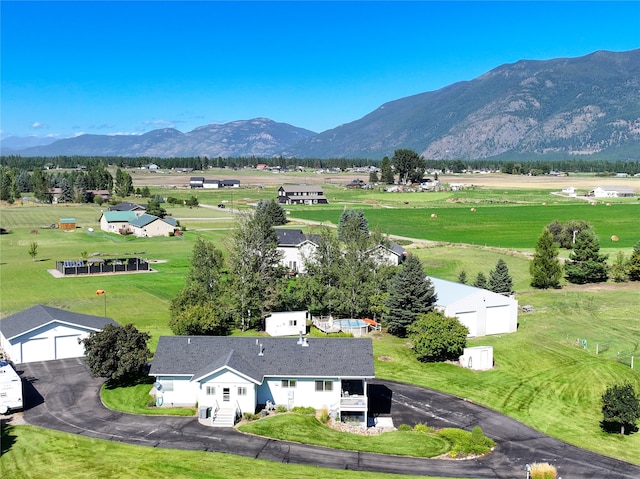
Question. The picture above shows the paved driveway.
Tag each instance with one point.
(62, 395)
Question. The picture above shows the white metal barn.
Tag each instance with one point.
(483, 312)
(286, 323)
(43, 333)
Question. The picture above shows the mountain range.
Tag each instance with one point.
(586, 106)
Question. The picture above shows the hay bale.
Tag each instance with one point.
(473, 210)
(433, 215)
(614, 238)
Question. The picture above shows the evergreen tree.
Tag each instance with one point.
(154, 208)
(272, 211)
(5, 185)
(386, 172)
(23, 182)
(586, 264)
(353, 227)
(80, 188)
(462, 277)
(124, 184)
(481, 281)
(411, 294)
(545, 269)
(500, 280)
(66, 191)
(633, 265)
(373, 177)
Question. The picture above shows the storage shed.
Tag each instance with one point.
(43, 333)
(483, 312)
(67, 224)
(479, 358)
(286, 323)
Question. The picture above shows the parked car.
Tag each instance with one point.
(221, 205)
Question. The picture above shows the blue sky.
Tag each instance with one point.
(130, 67)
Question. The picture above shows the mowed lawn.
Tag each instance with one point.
(541, 378)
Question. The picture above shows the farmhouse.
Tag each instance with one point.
(483, 312)
(43, 333)
(301, 195)
(613, 192)
(228, 376)
(391, 253)
(141, 225)
(296, 248)
(286, 323)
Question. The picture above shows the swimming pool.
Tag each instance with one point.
(357, 327)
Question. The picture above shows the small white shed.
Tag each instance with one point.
(479, 358)
(286, 323)
(43, 333)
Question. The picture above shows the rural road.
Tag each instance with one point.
(62, 395)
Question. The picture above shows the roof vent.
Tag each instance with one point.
(305, 344)
(300, 341)
(188, 340)
(261, 353)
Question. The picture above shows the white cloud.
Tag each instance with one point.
(37, 125)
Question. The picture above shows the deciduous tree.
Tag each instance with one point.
(621, 405)
(117, 352)
(409, 165)
(436, 337)
(545, 268)
(33, 250)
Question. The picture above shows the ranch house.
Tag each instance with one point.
(227, 376)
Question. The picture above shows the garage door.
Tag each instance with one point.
(498, 319)
(35, 350)
(68, 347)
(470, 320)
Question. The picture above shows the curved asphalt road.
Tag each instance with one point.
(62, 395)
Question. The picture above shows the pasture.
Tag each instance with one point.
(541, 377)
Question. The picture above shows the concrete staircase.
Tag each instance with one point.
(224, 417)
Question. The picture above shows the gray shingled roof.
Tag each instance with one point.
(144, 220)
(126, 206)
(290, 237)
(39, 315)
(197, 356)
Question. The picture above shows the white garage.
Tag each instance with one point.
(483, 312)
(43, 333)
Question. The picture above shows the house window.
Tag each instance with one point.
(242, 391)
(210, 391)
(288, 383)
(324, 386)
(167, 384)
(226, 394)
(293, 322)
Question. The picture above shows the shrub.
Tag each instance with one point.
(250, 416)
(423, 428)
(304, 410)
(324, 416)
(281, 408)
(404, 427)
(543, 470)
(464, 443)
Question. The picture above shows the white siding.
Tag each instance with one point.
(178, 391)
(227, 388)
(304, 393)
(498, 319)
(52, 341)
(286, 323)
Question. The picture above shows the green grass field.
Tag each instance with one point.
(541, 378)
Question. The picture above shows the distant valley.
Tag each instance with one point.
(587, 107)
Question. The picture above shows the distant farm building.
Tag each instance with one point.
(67, 224)
(613, 192)
(301, 195)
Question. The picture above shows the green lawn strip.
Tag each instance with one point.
(498, 226)
(308, 430)
(136, 400)
(33, 453)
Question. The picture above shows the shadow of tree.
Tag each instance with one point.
(6, 438)
(612, 427)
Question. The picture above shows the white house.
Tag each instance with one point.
(116, 221)
(483, 312)
(391, 253)
(296, 248)
(230, 375)
(613, 192)
(286, 323)
(43, 333)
